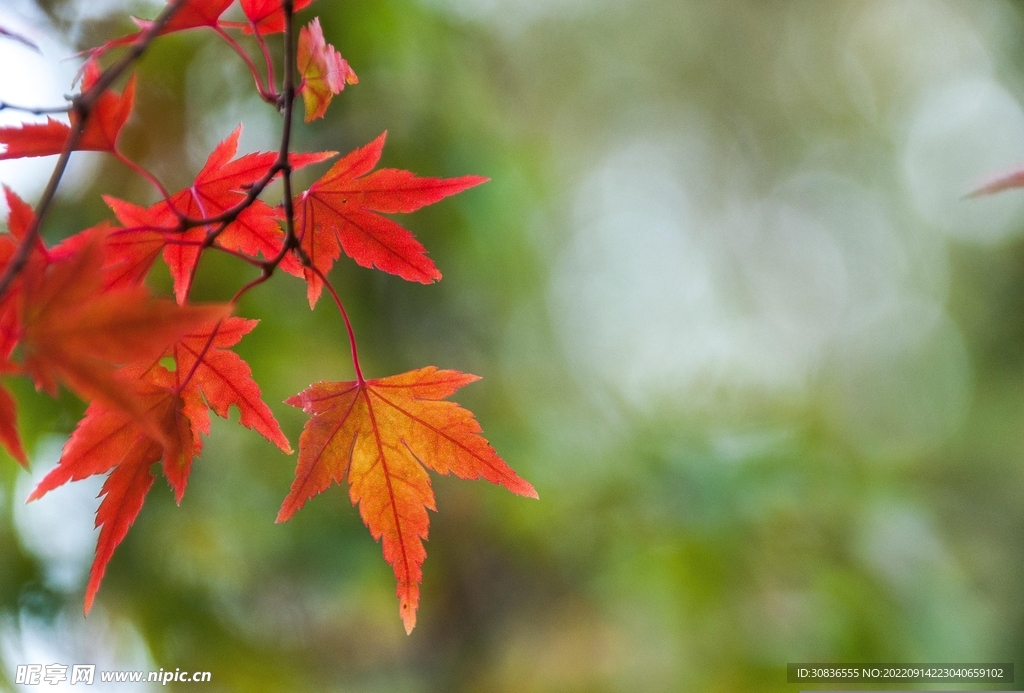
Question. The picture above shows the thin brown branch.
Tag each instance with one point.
(34, 110)
(286, 133)
(81, 106)
(281, 165)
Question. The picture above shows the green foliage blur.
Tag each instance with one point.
(735, 322)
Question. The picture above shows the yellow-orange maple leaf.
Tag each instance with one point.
(383, 435)
(324, 72)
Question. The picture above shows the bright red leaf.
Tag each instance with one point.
(382, 435)
(224, 379)
(9, 427)
(324, 72)
(338, 212)
(191, 15)
(20, 217)
(267, 15)
(109, 114)
(220, 186)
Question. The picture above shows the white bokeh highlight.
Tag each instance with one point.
(959, 138)
(34, 79)
(110, 643)
(59, 528)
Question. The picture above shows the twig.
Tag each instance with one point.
(281, 165)
(7, 106)
(81, 106)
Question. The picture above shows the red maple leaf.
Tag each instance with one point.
(108, 116)
(193, 14)
(109, 439)
(206, 374)
(128, 253)
(338, 212)
(267, 15)
(383, 435)
(9, 428)
(219, 186)
(20, 217)
(75, 332)
(324, 72)
(224, 379)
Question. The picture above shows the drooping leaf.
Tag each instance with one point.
(324, 72)
(382, 435)
(123, 493)
(109, 114)
(109, 439)
(338, 212)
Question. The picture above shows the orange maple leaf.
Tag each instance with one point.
(110, 439)
(175, 407)
(383, 435)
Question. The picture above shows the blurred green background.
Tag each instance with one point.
(735, 321)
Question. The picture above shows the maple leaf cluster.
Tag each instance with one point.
(79, 314)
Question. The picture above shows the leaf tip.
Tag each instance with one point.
(286, 512)
(91, 590)
(1009, 181)
(407, 610)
